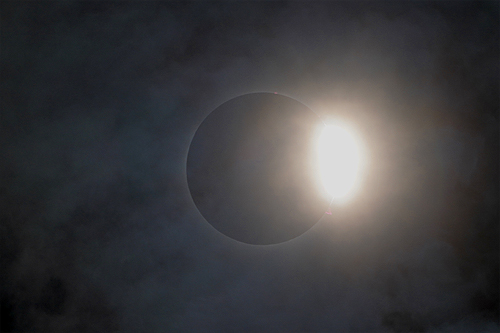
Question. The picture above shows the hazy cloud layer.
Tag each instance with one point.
(100, 101)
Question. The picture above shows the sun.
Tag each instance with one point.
(339, 161)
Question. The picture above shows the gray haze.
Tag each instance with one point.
(100, 101)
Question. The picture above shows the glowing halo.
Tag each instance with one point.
(339, 160)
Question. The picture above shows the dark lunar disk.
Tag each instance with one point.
(250, 169)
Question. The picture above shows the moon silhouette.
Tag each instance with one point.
(250, 169)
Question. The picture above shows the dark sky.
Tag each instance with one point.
(100, 102)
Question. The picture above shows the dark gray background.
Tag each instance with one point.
(100, 101)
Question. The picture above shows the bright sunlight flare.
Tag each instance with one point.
(339, 160)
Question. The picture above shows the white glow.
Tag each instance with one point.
(339, 161)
